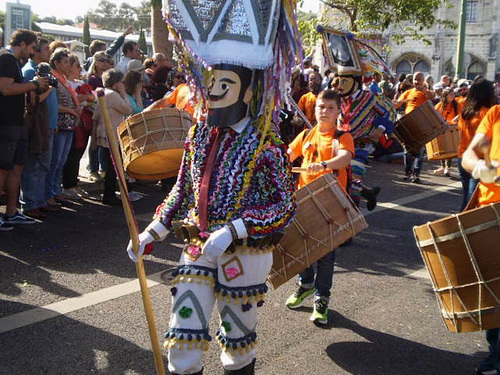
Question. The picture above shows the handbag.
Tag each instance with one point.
(36, 121)
(66, 121)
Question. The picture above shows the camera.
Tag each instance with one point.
(44, 70)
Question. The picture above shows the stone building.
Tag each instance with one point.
(438, 58)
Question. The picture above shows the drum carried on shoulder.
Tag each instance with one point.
(419, 127)
(461, 253)
(152, 142)
(325, 218)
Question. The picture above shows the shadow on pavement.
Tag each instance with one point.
(63, 346)
(386, 354)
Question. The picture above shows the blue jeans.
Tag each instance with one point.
(468, 184)
(34, 177)
(97, 158)
(323, 269)
(413, 162)
(60, 151)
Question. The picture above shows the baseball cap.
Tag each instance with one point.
(135, 65)
(462, 82)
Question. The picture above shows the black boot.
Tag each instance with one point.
(370, 194)
(247, 370)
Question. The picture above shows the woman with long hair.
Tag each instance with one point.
(67, 121)
(480, 98)
(450, 109)
(100, 63)
(133, 88)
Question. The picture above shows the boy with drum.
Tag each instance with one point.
(482, 159)
(324, 149)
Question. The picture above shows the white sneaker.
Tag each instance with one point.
(71, 194)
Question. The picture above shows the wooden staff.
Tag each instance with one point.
(133, 230)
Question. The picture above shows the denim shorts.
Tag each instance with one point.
(13, 146)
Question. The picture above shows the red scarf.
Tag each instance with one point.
(64, 81)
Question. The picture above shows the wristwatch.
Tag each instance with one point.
(323, 163)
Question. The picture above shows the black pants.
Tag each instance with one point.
(72, 167)
(110, 179)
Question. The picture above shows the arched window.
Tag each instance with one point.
(475, 69)
(421, 66)
(403, 67)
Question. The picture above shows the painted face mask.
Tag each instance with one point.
(348, 85)
(226, 94)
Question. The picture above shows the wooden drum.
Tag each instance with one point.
(419, 126)
(444, 146)
(462, 254)
(152, 142)
(325, 219)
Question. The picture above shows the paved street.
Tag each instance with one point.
(69, 301)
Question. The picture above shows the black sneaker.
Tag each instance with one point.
(416, 180)
(5, 226)
(487, 366)
(298, 298)
(407, 177)
(18, 218)
(320, 312)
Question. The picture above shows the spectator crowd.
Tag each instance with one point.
(49, 115)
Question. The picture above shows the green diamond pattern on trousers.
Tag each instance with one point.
(226, 311)
(189, 295)
(226, 326)
(185, 312)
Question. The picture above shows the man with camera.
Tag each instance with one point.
(13, 133)
(43, 108)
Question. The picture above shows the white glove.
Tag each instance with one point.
(144, 239)
(218, 242)
(485, 174)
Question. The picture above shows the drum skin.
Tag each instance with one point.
(462, 254)
(419, 127)
(444, 146)
(152, 142)
(326, 217)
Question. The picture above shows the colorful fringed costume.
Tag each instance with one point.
(234, 175)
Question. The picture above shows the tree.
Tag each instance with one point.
(142, 41)
(411, 17)
(307, 23)
(86, 35)
(159, 32)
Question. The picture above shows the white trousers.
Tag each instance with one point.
(237, 282)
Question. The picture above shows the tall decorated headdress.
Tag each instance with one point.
(351, 56)
(256, 34)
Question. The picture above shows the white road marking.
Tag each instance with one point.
(66, 306)
(69, 305)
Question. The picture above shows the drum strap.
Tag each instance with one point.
(205, 182)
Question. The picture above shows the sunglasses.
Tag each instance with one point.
(104, 60)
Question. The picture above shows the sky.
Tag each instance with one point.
(70, 9)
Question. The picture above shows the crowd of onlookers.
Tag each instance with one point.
(49, 116)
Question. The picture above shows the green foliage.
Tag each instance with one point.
(307, 23)
(86, 35)
(109, 16)
(142, 42)
(409, 17)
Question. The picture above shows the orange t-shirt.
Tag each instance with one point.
(415, 99)
(180, 98)
(307, 103)
(461, 100)
(449, 111)
(316, 147)
(468, 130)
(490, 126)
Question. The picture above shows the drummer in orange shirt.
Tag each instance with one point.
(450, 108)
(413, 98)
(325, 149)
(480, 99)
(489, 192)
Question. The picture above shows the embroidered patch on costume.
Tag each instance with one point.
(226, 326)
(185, 312)
(194, 252)
(232, 269)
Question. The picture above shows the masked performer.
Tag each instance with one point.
(366, 116)
(234, 191)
